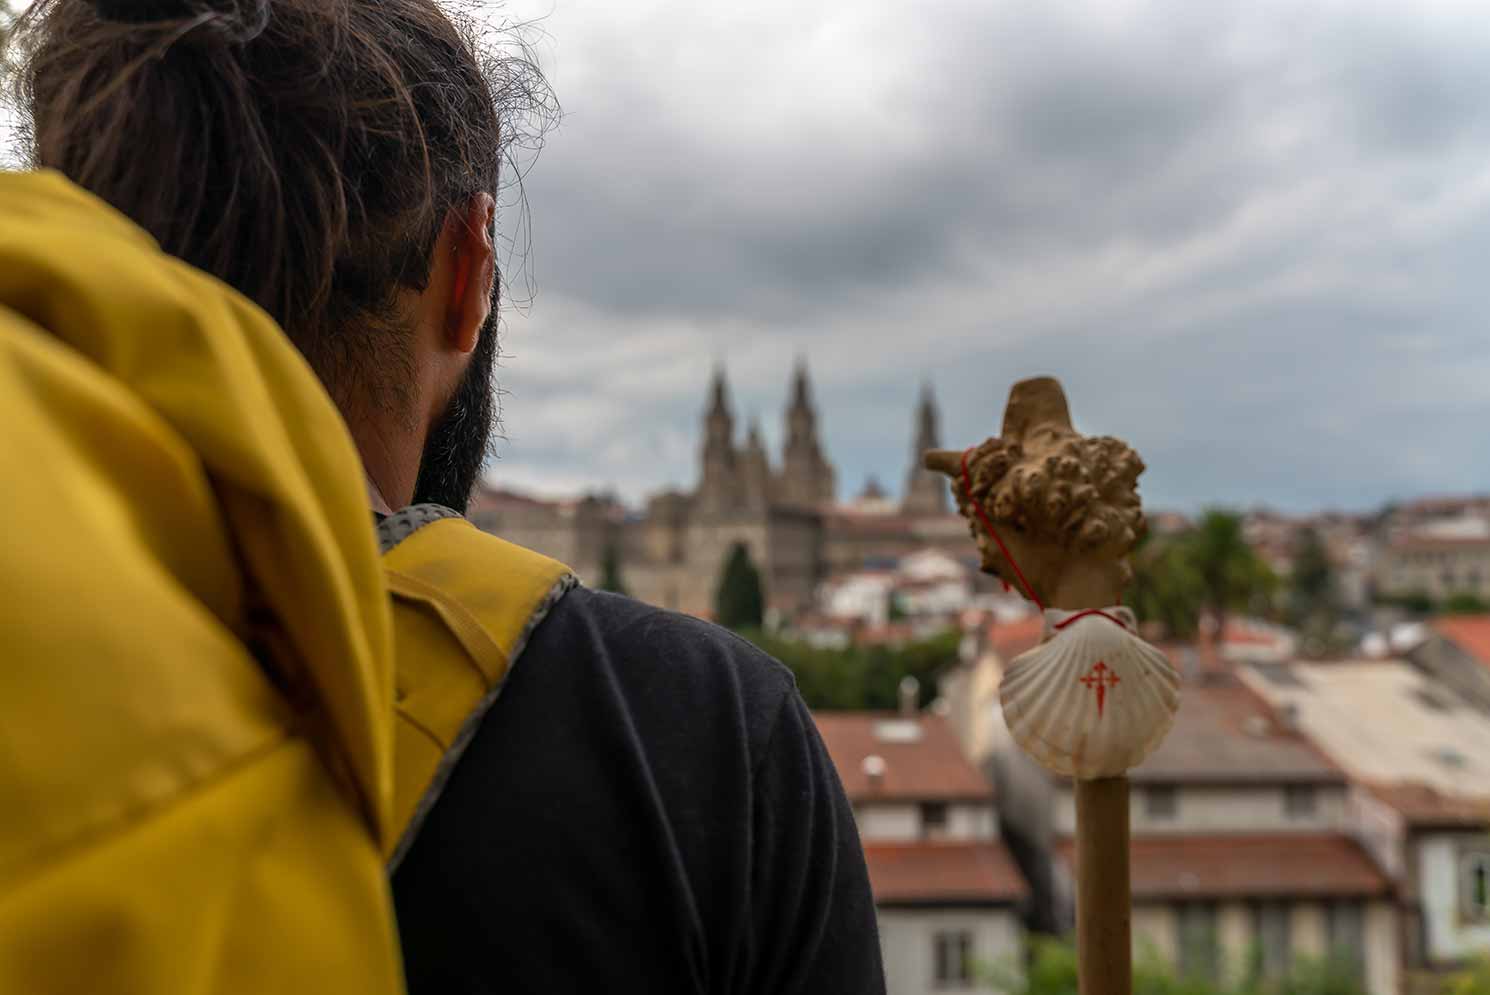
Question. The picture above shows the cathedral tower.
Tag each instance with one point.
(718, 487)
(756, 486)
(925, 490)
(807, 478)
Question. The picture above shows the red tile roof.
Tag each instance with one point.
(940, 872)
(930, 768)
(1248, 866)
(1470, 632)
(1239, 633)
(1438, 504)
(1421, 543)
(1009, 639)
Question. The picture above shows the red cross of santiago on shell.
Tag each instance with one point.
(1099, 679)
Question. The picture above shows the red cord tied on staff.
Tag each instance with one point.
(1029, 591)
(1091, 700)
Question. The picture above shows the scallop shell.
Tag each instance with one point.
(1092, 701)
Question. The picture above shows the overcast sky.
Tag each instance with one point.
(1252, 238)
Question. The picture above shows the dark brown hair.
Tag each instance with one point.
(304, 151)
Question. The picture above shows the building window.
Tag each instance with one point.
(1298, 801)
(1199, 954)
(1161, 801)
(933, 820)
(953, 959)
(1474, 886)
(1274, 938)
(1347, 926)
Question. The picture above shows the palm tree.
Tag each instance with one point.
(1232, 576)
(1165, 590)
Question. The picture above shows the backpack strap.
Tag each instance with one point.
(464, 605)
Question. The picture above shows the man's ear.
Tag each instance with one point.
(474, 268)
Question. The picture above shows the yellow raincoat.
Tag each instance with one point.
(207, 750)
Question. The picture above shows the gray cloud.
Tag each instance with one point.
(1249, 236)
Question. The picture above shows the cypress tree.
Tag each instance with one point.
(738, 601)
(610, 570)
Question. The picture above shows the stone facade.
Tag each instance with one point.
(671, 552)
(1437, 567)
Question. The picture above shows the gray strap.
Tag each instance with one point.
(473, 722)
(405, 522)
(391, 531)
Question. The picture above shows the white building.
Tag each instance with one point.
(1245, 839)
(1245, 836)
(945, 887)
(1425, 753)
(862, 597)
(928, 585)
(931, 583)
(1439, 559)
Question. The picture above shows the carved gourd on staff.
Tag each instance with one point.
(1056, 515)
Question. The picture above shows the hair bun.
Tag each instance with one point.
(239, 21)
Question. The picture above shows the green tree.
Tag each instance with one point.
(1474, 979)
(1313, 598)
(1416, 602)
(1165, 589)
(861, 678)
(1465, 603)
(1052, 970)
(1177, 579)
(1232, 576)
(610, 569)
(738, 601)
(1312, 585)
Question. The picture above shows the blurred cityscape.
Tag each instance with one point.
(1322, 804)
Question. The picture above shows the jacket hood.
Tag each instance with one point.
(267, 521)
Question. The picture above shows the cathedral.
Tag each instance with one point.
(735, 479)
(785, 512)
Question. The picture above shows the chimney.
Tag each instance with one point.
(910, 697)
(874, 769)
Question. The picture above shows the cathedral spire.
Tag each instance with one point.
(806, 477)
(717, 489)
(926, 419)
(925, 490)
(719, 392)
(801, 386)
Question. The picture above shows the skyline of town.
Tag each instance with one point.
(766, 413)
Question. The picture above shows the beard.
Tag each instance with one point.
(460, 440)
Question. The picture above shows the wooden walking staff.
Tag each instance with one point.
(1055, 515)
